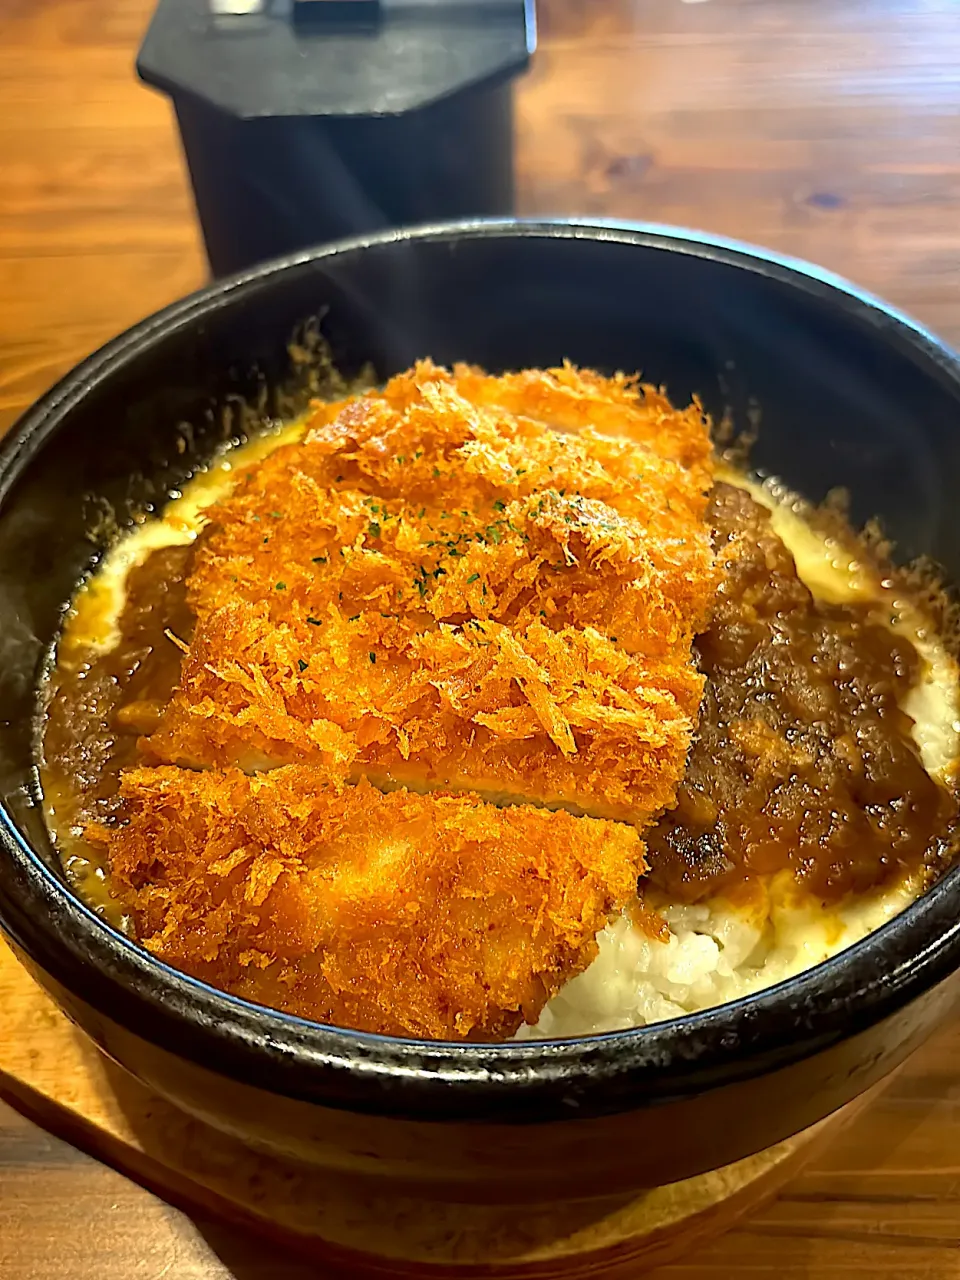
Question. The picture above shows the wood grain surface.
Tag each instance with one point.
(829, 129)
(54, 1075)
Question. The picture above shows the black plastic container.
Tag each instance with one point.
(308, 120)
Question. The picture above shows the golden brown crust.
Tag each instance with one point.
(437, 589)
(485, 585)
(432, 916)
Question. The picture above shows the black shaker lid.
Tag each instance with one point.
(258, 58)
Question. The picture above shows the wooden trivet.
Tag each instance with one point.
(50, 1071)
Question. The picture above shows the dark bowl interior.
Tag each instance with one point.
(845, 394)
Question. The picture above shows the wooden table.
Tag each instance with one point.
(829, 129)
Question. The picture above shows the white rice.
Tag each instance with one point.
(715, 952)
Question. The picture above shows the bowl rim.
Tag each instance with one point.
(516, 1082)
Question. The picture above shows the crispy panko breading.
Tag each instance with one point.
(488, 584)
(455, 590)
(434, 916)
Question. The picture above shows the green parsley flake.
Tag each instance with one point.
(280, 586)
(473, 578)
(301, 664)
(315, 622)
(372, 656)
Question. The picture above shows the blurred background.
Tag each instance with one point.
(828, 129)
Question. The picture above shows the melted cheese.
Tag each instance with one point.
(98, 604)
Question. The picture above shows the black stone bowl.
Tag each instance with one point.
(847, 393)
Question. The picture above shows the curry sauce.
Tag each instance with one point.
(804, 759)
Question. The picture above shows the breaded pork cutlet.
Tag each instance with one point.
(439, 917)
(433, 590)
(454, 591)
